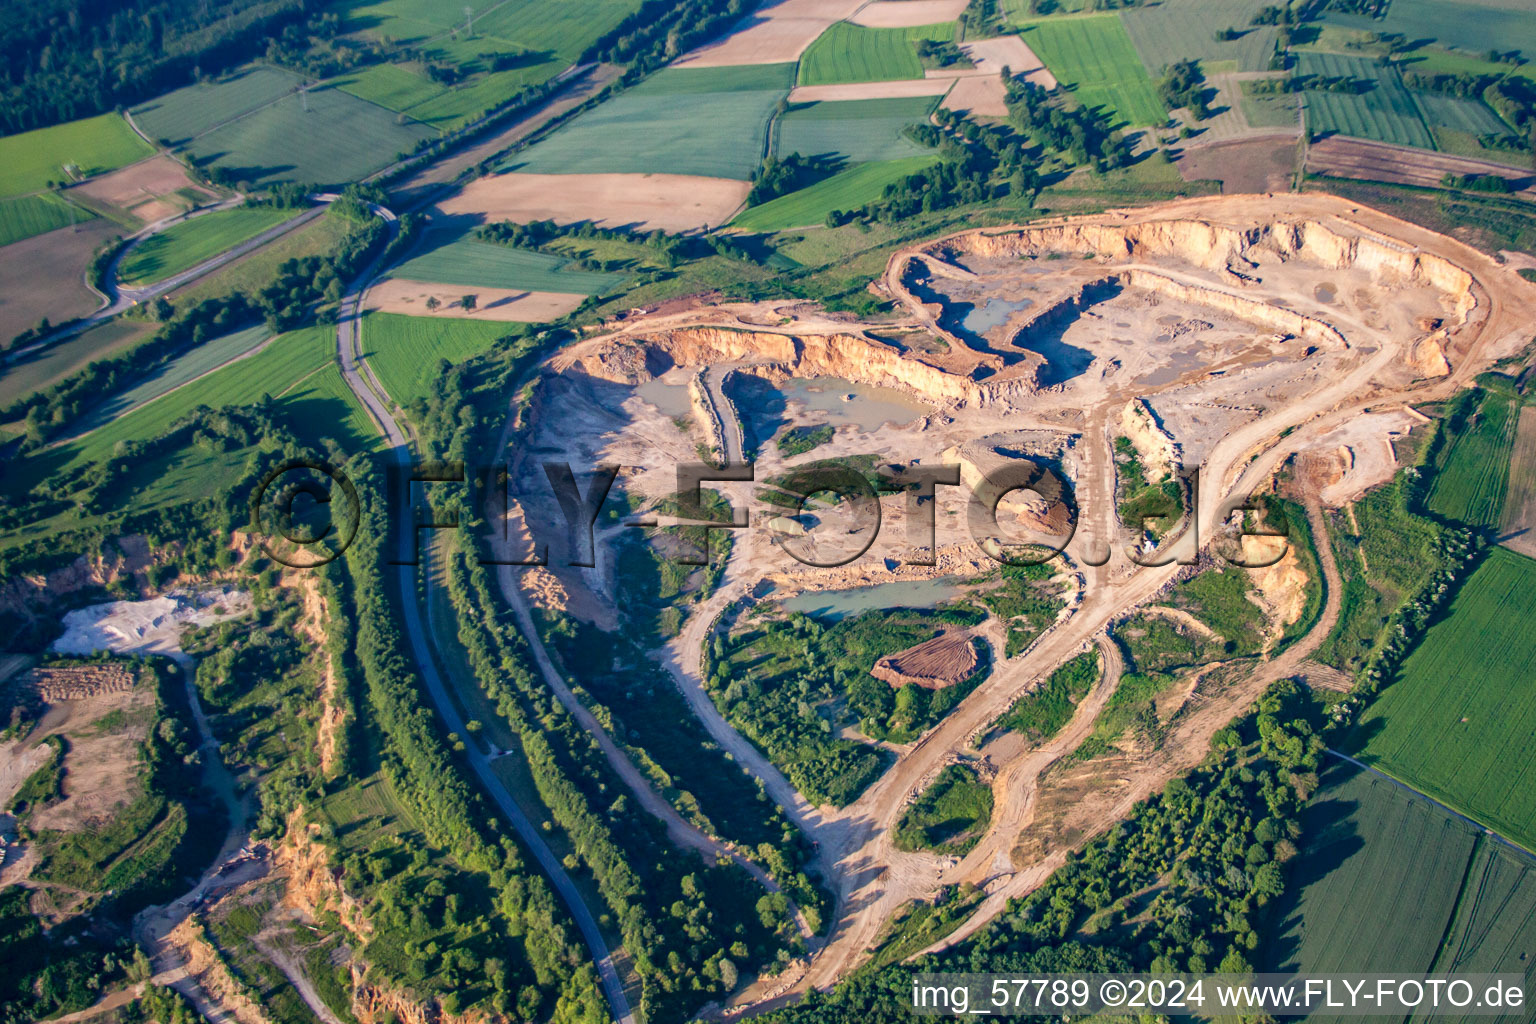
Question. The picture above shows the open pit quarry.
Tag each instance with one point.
(1238, 335)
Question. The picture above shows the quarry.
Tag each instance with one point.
(1236, 336)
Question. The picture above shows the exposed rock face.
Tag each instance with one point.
(1233, 253)
(834, 355)
(1160, 456)
(1429, 356)
(314, 883)
(1263, 314)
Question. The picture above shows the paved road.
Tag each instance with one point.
(360, 379)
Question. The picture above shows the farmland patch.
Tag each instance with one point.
(179, 116)
(856, 131)
(1457, 723)
(50, 365)
(148, 190)
(185, 368)
(853, 53)
(274, 370)
(44, 276)
(848, 190)
(1176, 30)
(1518, 527)
(1471, 476)
(501, 305)
(1476, 27)
(185, 245)
(338, 138)
(772, 35)
(1495, 925)
(26, 216)
(404, 350)
(671, 202)
(1092, 57)
(1382, 109)
(472, 263)
(705, 121)
(1376, 882)
(907, 13)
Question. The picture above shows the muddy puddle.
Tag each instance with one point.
(766, 408)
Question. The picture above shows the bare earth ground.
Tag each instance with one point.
(146, 189)
(907, 13)
(871, 90)
(44, 276)
(773, 35)
(1198, 339)
(982, 96)
(992, 55)
(671, 202)
(1379, 161)
(1518, 530)
(1243, 166)
(99, 773)
(397, 295)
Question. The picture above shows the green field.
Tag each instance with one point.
(1375, 884)
(1093, 58)
(404, 350)
(250, 272)
(474, 263)
(398, 88)
(705, 121)
(57, 361)
(274, 370)
(848, 190)
(1473, 474)
(30, 160)
(950, 816)
(852, 53)
(321, 405)
(1457, 724)
(857, 131)
(174, 374)
(562, 29)
(189, 243)
(468, 100)
(26, 216)
(1385, 111)
(1456, 114)
(178, 117)
(1176, 30)
(340, 138)
(1495, 925)
(390, 85)
(1476, 27)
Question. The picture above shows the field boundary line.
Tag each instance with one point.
(1491, 833)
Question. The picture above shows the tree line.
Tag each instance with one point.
(690, 929)
(544, 971)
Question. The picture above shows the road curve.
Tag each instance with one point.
(371, 394)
